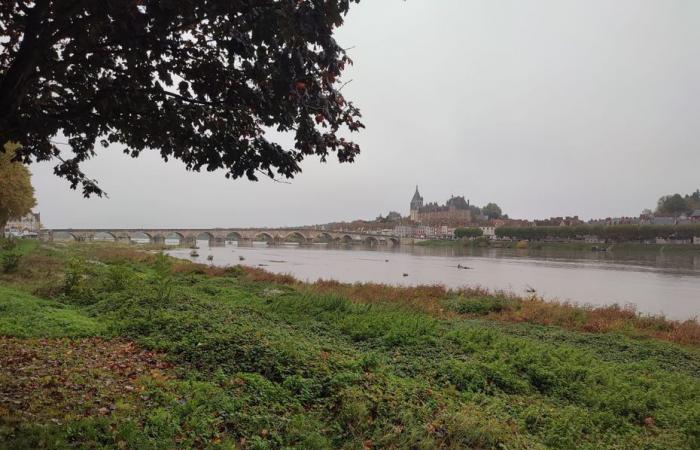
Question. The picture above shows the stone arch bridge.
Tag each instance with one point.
(189, 236)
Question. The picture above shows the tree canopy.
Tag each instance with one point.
(200, 81)
(470, 232)
(16, 191)
(492, 211)
(677, 204)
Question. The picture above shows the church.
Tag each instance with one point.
(455, 211)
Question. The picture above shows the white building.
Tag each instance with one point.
(28, 226)
(488, 231)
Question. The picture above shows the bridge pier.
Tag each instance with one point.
(158, 240)
(244, 242)
(189, 241)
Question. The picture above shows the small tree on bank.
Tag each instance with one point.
(16, 191)
(200, 81)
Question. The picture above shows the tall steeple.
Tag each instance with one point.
(416, 201)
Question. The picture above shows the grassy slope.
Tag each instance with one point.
(23, 315)
(263, 365)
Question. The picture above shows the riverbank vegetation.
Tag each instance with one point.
(106, 346)
(624, 247)
(608, 233)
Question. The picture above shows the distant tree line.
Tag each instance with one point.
(677, 204)
(491, 211)
(615, 233)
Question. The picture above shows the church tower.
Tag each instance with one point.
(416, 204)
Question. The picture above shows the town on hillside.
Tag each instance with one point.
(431, 220)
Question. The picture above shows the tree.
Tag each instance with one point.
(693, 200)
(200, 81)
(672, 204)
(492, 211)
(471, 232)
(16, 191)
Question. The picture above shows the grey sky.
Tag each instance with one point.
(547, 107)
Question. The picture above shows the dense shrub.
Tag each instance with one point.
(10, 261)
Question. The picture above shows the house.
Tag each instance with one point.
(663, 221)
(695, 216)
(26, 226)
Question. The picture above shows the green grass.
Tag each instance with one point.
(23, 315)
(259, 365)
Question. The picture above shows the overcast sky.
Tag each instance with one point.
(546, 107)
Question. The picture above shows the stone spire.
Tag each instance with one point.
(416, 201)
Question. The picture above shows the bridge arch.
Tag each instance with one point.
(104, 236)
(324, 237)
(295, 236)
(346, 238)
(141, 237)
(204, 236)
(394, 241)
(174, 235)
(234, 236)
(264, 236)
(64, 236)
(371, 241)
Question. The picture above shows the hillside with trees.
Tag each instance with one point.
(677, 204)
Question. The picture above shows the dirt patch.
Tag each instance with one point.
(63, 379)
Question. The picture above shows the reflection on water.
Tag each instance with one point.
(624, 259)
(655, 283)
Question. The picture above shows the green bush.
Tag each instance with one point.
(163, 279)
(77, 285)
(10, 261)
(479, 305)
(7, 244)
(118, 278)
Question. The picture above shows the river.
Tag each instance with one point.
(654, 283)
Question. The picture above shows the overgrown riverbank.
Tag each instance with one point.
(685, 249)
(105, 346)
